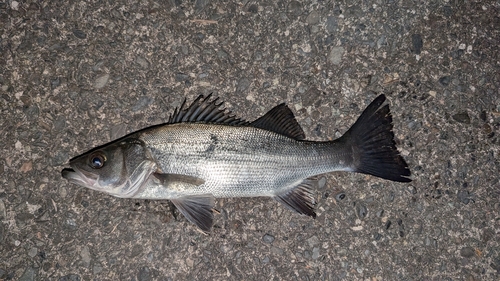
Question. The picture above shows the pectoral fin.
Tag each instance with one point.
(300, 199)
(197, 209)
(173, 180)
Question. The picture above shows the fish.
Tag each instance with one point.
(205, 151)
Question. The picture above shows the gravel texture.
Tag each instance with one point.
(77, 74)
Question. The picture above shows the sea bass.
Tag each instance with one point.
(205, 152)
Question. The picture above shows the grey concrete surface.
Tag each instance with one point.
(74, 75)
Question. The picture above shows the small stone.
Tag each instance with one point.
(315, 253)
(253, 8)
(268, 238)
(467, 252)
(3, 211)
(331, 24)
(340, 196)
(243, 85)
(79, 34)
(26, 167)
(382, 41)
(181, 77)
(321, 182)
(97, 269)
(295, 8)
(101, 81)
(85, 254)
(277, 251)
(482, 115)
(335, 55)
(314, 240)
(3, 273)
(142, 62)
(463, 196)
(54, 83)
(445, 80)
(59, 123)
(144, 274)
(199, 5)
(28, 275)
(312, 18)
(361, 211)
(462, 117)
(14, 5)
(417, 43)
(487, 129)
(32, 252)
(143, 102)
(380, 213)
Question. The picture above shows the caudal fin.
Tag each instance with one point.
(373, 144)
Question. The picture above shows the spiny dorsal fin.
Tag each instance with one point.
(204, 110)
(300, 199)
(280, 120)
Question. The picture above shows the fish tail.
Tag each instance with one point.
(373, 145)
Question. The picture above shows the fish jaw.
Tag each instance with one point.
(125, 190)
(80, 178)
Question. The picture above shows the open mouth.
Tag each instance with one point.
(80, 178)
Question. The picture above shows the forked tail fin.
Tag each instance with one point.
(374, 148)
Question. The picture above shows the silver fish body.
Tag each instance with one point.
(203, 153)
(240, 161)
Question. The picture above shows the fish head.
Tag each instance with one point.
(119, 168)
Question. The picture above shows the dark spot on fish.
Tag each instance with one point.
(212, 145)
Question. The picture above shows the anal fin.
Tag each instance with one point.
(197, 209)
(300, 199)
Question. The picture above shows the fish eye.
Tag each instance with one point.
(97, 160)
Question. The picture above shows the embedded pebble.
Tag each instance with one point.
(142, 62)
(331, 24)
(313, 18)
(28, 275)
(445, 80)
(268, 238)
(315, 253)
(143, 102)
(335, 56)
(462, 117)
(181, 77)
(144, 274)
(417, 43)
(79, 34)
(85, 254)
(101, 81)
(467, 252)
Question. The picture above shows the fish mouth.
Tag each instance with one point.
(78, 177)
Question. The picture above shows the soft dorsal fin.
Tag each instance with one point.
(280, 120)
(204, 110)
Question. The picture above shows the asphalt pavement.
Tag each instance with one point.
(77, 74)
